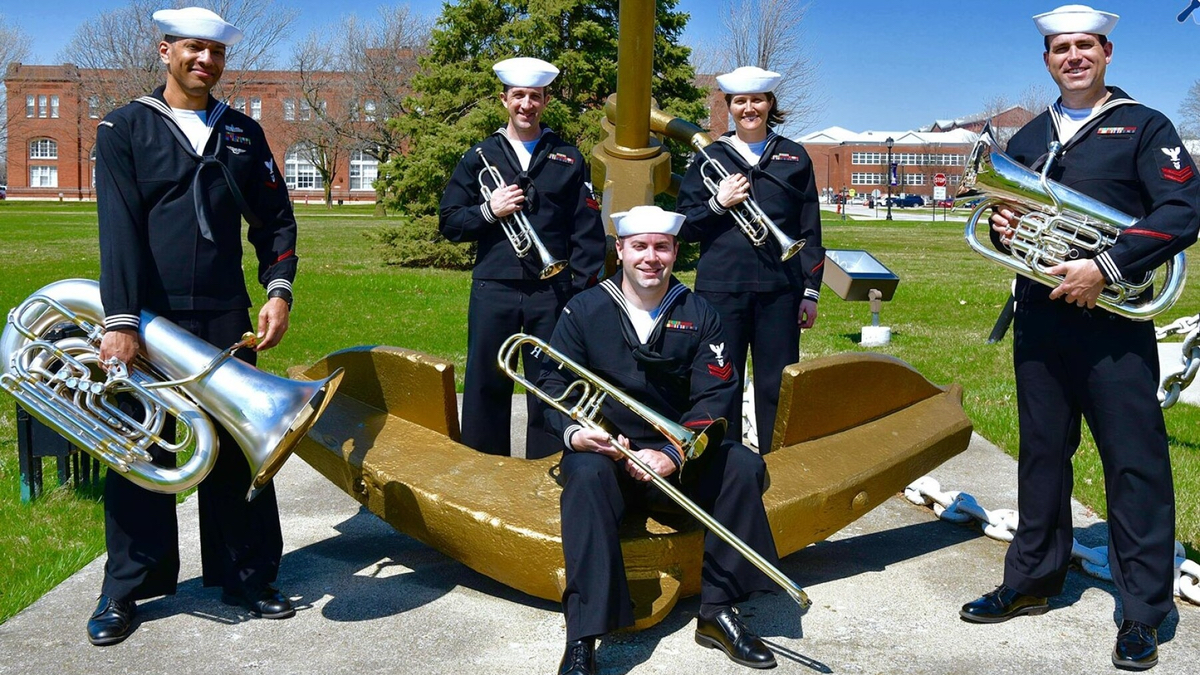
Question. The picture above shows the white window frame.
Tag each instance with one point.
(43, 148)
(43, 176)
(30, 105)
(364, 171)
(289, 110)
(256, 108)
(298, 172)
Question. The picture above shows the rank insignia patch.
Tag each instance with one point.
(1178, 175)
(560, 157)
(724, 372)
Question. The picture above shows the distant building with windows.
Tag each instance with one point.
(52, 134)
(844, 159)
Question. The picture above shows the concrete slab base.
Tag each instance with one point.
(886, 595)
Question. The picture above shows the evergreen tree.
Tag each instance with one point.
(455, 95)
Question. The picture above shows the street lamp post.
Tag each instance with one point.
(890, 143)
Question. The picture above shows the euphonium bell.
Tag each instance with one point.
(266, 414)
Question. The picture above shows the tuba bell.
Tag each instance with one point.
(1055, 224)
(179, 375)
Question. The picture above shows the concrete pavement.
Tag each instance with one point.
(886, 594)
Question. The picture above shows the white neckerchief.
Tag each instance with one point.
(194, 125)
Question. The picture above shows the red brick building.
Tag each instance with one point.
(52, 134)
(859, 161)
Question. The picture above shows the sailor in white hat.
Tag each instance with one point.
(765, 302)
(546, 183)
(665, 346)
(1074, 359)
(176, 171)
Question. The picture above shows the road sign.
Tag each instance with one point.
(939, 179)
(939, 192)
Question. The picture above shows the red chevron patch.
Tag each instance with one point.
(724, 372)
(1178, 175)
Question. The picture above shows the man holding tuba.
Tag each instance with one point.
(544, 202)
(176, 171)
(1074, 360)
(662, 345)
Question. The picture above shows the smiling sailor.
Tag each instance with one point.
(176, 171)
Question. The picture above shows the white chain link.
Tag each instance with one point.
(1001, 524)
(1174, 384)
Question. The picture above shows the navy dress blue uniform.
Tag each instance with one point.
(507, 295)
(1072, 362)
(757, 294)
(681, 371)
(170, 242)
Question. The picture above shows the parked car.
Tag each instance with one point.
(3, 191)
(908, 200)
(859, 200)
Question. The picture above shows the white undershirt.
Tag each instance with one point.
(1071, 120)
(642, 320)
(744, 150)
(193, 124)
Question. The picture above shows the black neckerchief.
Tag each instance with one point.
(757, 172)
(213, 113)
(522, 180)
(648, 354)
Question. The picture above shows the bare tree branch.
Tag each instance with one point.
(769, 34)
(1189, 112)
(14, 45)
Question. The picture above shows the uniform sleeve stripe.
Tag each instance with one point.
(716, 207)
(487, 213)
(1109, 268)
(812, 293)
(122, 321)
(569, 432)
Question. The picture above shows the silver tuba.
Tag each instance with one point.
(582, 401)
(178, 376)
(750, 217)
(517, 228)
(1056, 223)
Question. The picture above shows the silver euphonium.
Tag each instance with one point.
(1054, 224)
(517, 227)
(750, 217)
(178, 375)
(582, 401)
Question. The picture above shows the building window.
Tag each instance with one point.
(93, 158)
(256, 108)
(239, 104)
(289, 110)
(43, 148)
(42, 106)
(94, 107)
(369, 110)
(364, 169)
(305, 111)
(914, 179)
(54, 107)
(30, 107)
(43, 176)
(298, 172)
(866, 179)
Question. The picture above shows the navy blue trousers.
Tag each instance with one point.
(766, 324)
(497, 310)
(240, 542)
(596, 491)
(1070, 364)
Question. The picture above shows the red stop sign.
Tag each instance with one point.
(939, 179)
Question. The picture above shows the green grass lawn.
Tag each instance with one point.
(944, 309)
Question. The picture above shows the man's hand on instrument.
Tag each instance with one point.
(1003, 223)
(506, 201)
(733, 190)
(272, 324)
(807, 317)
(596, 440)
(656, 460)
(1081, 284)
(119, 343)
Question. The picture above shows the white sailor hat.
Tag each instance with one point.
(1075, 19)
(647, 220)
(197, 22)
(749, 80)
(524, 71)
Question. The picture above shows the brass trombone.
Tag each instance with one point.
(591, 391)
(516, 226)
(755, 223)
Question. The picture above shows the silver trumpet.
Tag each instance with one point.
(1053, 220)
(755, 223)
(179, 376)
(517, 228)
(589, 393)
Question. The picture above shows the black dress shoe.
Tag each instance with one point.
(1002, 604)
(111, 622)
(579, 658)
(266, 602)
(1137, 646)
(725, 631)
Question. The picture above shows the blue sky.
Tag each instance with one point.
(882, 65)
